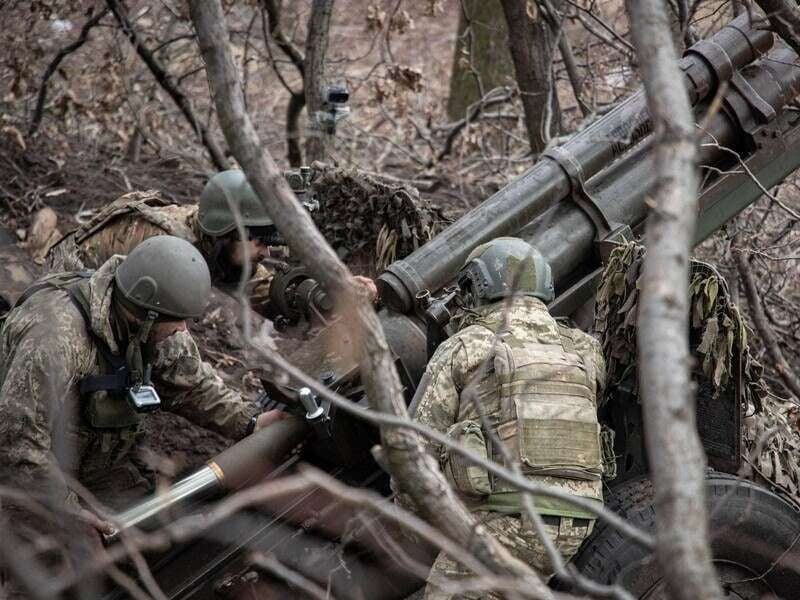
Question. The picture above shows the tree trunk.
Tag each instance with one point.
(168, 84)
(481, 61)
(784, 19)
(677, 461)
(532, 44)
(319, 22)
(415, 471)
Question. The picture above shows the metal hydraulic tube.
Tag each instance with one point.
(705, 65)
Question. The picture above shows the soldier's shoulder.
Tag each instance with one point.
(473, 335)
(50, 314)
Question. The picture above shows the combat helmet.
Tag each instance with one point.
(226, 195)
(166, 275)
(504, 266)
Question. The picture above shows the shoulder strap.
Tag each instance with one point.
(117, 380)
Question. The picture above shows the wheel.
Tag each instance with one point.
(755, 539)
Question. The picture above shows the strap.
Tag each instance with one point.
(510, 503)
(117, 381)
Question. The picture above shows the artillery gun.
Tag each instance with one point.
(574, 202)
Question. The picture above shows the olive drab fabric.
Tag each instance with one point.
(227, 198)
(125, 223)
(49, 428)
(167, 275)
(537, 381)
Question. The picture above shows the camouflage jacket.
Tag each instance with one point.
(458, 364)
(122, 225)
(47, 427)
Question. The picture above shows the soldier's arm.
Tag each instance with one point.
(436, 401)
(191, 388)
(42, 364)
(258, 288)
(591, 349)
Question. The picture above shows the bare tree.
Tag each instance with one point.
(319, 23)
(164, 79)
(532, 43)
(784, 18)
(781, 366)
(481, 60)
(297, 99)
(415, 471)
(41, 97)
(677, 462)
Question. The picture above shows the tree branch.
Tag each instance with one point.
(284, 43)
(165, 81)
(415, 471)
(316, 48)
(760, 320)
(677, 461)
(41, 97)
(297, 100)
(784, 19)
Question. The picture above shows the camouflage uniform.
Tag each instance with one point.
(48, 428)
(122, 225)
(553, 355)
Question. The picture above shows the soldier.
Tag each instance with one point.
(77, 354)
(537, 382)
(211, 225)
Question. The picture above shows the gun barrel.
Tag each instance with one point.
(252, 458)
(705, 66)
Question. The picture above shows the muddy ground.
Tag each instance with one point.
(78, 184)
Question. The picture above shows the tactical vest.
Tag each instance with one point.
(114, 425)
(144, 204)
(540, 399)
(67, 253)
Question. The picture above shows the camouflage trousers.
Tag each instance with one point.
(519, 538)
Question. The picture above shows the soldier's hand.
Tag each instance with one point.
(266, 419)
(368, 285)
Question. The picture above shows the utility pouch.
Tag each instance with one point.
(555, 429)
(607, 436)
(468, 478)
(111, 411)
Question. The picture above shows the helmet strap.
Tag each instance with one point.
(133, 355)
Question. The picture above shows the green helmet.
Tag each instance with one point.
(226, 196)
(166, 275)
(504, 266)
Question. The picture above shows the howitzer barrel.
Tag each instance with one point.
(252, 458)
(565, 234)
(705, 65)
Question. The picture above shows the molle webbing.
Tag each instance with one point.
(510, 503)
(145, 204)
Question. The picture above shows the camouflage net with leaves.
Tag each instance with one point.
(371, 221)
(771, 445)
(717, 328)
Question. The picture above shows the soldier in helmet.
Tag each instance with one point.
(83, 355)
(537, 382)
(229, 226)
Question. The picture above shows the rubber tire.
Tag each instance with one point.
(752, 529)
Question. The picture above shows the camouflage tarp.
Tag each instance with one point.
(371, 221)
(771, 444)
(718, 332)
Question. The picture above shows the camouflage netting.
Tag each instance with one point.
(718, 331)
(771, 448)
(371, 221)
